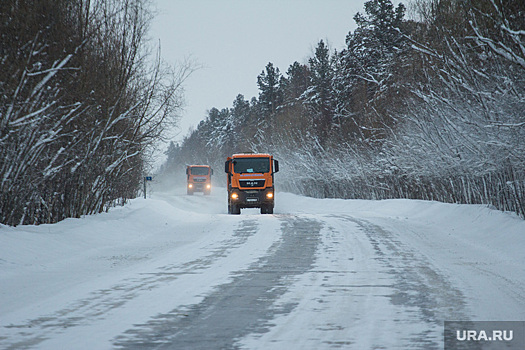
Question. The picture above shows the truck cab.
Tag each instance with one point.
(250, 182)
(198, 179)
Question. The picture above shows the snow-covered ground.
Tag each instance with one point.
(176, 271)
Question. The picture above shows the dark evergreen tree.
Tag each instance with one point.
(173, 154)
(383, 20)
(295, 83)
(243, 125)
(270, 95)
(319, 94)
(241, 110)
(370, 68)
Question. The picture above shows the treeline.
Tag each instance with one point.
(80, 106)
(426, 106)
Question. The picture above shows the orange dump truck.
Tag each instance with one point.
(250, 182)
(199, 178)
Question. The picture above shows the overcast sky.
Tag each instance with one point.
(235, 39)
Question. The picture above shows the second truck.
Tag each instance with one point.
(199, 179)
(250, 182)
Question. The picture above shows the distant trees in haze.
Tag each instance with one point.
(429, 107)
(80, 106)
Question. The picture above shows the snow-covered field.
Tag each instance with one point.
(176, 272)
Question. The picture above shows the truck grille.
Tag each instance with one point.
(252, 183)
(199, 179)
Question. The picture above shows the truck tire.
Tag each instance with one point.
(266, 209)
(235, 209)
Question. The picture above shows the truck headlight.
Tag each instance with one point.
(234, 195)
(190, 185)
(269, 195)
(208, 186)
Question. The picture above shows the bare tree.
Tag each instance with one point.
(82, 105)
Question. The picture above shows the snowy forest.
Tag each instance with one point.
(425, 101)
(83, 100)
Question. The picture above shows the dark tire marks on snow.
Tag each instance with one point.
(241, 307)
(418, 284)
(100, 302)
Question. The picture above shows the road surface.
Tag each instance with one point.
(318, 274)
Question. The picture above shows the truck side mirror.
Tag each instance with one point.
(227, 166)
(187, 171)
(212, 171)
(275, 166)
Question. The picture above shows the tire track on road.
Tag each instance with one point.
(100, 302)
(417, 283)
(238, 308)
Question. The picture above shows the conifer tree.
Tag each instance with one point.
(270, 95)
(319, 94)
(295, 83)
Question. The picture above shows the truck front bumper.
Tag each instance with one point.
(252, 198)
(199, 186)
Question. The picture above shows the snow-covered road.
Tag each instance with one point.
(177, 272)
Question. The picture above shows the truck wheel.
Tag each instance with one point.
(266, 209)
(235, 209)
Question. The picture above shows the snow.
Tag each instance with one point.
(108, 273)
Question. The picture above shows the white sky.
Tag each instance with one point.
(235, 39)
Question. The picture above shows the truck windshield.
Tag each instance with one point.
(251, 165)
(199, 170)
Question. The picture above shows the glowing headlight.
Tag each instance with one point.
(190, 185)
(208, 186)
(234, 195)
(269, 195)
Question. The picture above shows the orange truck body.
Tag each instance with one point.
(250, 182)
(199, 179)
